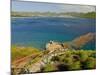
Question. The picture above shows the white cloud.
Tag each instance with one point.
(76, 8)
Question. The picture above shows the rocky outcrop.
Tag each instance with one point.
(53, 46)
(79, 42)
(76, 43)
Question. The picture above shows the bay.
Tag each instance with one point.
(37, 31)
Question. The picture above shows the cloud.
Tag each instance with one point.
(52, 7)
(76, 8)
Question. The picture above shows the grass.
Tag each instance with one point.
(20, 52)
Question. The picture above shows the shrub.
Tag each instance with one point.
(49, 68)
(73, 60)
(92, 54)
(83, 55)
(75, 66)
(90, 63)
(61, 66)
(68, 61)
(55, 58)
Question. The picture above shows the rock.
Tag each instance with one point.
(53, 46)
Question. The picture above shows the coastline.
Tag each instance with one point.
(44, 17)
(51, 14)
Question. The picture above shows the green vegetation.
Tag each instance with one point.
(53, 14)
(20, 52)
(67, 61)
(49, 67)
(88, 15)
(73, 60)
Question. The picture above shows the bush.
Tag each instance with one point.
(75, 66)
(76, 60)
(83, 55)
(49, 68)
(68, 61)
(90, 63)
(55, 58)
(61, 66)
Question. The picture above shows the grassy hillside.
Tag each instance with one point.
(72, 60)
(20, 52)
(67, 60)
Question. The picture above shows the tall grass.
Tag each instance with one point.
(20, 52)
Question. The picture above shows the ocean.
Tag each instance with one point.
(37, 31)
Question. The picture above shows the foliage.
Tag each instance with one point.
(49, 67)
(90, 63)
(73, 60)
(89, 15)
(55, 58)
(84, 15)
(75, 66)
(69, 60)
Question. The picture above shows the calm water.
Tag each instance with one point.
(37, 31)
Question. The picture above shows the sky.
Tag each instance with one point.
(27, 6)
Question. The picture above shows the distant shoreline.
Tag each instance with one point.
(18, 17)
(43, 16)
(50, 14)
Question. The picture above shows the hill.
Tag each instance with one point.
(53, 14)
(56, 57)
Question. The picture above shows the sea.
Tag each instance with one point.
(38, 31)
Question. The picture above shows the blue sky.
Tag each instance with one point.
(51, 7)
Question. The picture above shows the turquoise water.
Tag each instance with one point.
(37, 31)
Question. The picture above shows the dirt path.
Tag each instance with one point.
(35, 67)
(21, 62)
